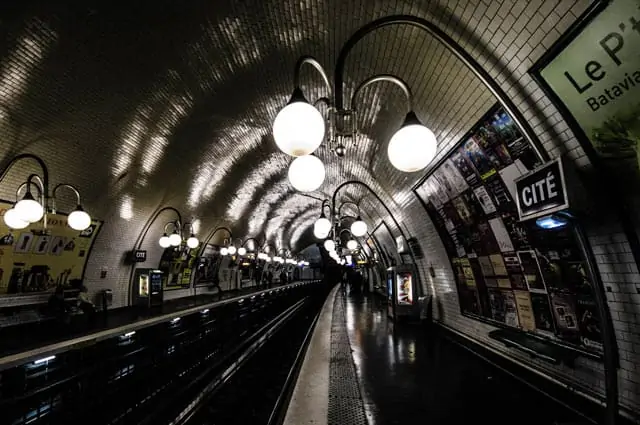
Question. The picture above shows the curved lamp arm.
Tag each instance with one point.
(176, 226)
(43, 166)
(313, 62)
(211, 235)
(378, 78)
(57, 188)
(325, 203)
(346, 203)
(256, 244)
(26, 185)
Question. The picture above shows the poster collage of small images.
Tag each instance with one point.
(508, 271)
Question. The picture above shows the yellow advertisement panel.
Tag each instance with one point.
(33, 261)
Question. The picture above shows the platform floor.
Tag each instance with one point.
(362, 368)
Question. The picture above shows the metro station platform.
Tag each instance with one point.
(361, 368)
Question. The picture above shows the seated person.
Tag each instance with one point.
(57, 306)
(85, 304)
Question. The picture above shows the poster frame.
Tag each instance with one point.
(598, 356)
(535, 71)
(89, 252)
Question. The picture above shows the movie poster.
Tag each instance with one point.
(505, 270)
(501, 234)
(482, 164)
(498, 306)
(542, 312)
(564, 311)
(465, 168)
(589, 322)
(525, 310)
(510, 309)
(531, 271)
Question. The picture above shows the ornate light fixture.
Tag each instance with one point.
(306, 173)
(322, 225)
(359, 227)
(298, 131)
(175, 238)
(30, 210)
(299, 127)
(330, 245)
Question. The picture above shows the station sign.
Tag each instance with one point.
(542, 192)
(140, 255)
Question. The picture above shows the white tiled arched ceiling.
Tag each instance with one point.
(172, 104)
(150, 104)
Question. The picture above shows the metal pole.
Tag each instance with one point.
(609, 345)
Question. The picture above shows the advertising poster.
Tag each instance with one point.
(481, 163)
(531, 271)
(466, 170)
(506, 271)
(501, 234)
(177, 264)
(32, 261)
(498, 306)
(564, 310)
(510, 309)
(525, 310)
(596, 77)
(542, 312)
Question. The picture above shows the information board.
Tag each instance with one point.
(507, 272)
(33, 261)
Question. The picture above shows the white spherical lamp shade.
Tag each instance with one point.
(298, 129)
(242, 251)
(232, 250)
(164, 242)
(352, 244)
(79, 219)
(412, 147)
(224, 251)
(13, 220)
(29, 209)
(192, 242)
(330, 245)
(359, 228)
(321, 227)
(175, 239)
(306, 173)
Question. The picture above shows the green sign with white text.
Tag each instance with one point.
(597, 77)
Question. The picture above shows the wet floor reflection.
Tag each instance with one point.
(408, 377)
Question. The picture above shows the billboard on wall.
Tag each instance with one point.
(596, 76)
(32, 261)
(507, 272)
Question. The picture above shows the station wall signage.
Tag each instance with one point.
(140, 255)
(592, 75)
(542, 192)
(32, 260)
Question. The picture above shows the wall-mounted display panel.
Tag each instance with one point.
(35, 261)
(507, 272)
